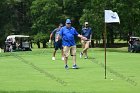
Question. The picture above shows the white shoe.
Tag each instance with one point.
(62, 58)
(86, 57)
(53, 58)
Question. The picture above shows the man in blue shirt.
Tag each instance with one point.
(57, 44)
(86, 32)
(68, 42)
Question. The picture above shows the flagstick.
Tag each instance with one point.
(105, 48)
(110, 17)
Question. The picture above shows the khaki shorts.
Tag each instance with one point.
(69, 50)
(85, 44)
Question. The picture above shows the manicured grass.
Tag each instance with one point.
(35, 72)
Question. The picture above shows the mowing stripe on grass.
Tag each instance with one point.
(47, 74)
(117, 74)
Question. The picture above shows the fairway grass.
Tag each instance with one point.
(35, 72)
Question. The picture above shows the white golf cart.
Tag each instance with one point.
(134, 44)
(17, 43)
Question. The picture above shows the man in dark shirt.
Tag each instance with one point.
(57, 44)
(86, 32)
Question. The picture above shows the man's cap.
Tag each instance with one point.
(68, 21)
(86, 23)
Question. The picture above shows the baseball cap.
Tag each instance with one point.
(68, 21)
(86, 23)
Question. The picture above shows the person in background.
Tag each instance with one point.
(57, 44)
(86, 32)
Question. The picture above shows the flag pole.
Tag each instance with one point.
(110, 17)
(105, 48)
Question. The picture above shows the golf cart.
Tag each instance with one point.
(17, 43)
(134, 44)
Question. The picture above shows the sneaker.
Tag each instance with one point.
(74, 67)
(86, 57)
(66, 67)
(53, 58)
(81, 54)
(62, 58)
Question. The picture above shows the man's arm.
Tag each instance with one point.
(90, 37)
(83, 38)
(50, 40)
(78, 35)
(51, 36)
(90, 34)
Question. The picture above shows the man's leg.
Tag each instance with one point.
(74, 59)
(86, 48)
(61, 48)
(62, 54)
(83, 43)
(73, 54)
(55, 49)
(66, 54)
(65, 60)
(86, 52)
(54, 53)
(83, 46)
(53, 57)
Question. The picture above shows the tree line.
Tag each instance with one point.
(38, 18)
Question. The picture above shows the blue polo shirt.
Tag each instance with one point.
(68, 35)
(86, 32)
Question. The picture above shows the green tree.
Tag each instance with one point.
(45, 14)
(4, 20)
(41, 38)
(93, 13)
(42, 16)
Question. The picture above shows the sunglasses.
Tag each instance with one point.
(68, 23)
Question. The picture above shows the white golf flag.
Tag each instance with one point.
(111, 17)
